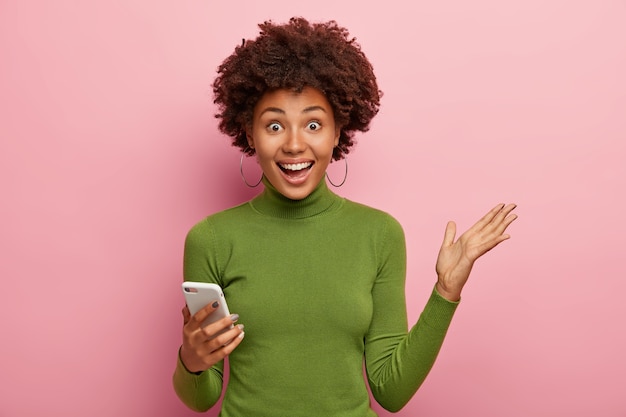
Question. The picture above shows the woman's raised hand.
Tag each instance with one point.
(456, 258)
(203, 347)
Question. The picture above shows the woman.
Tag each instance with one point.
(318, 280)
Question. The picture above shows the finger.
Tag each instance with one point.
(450, 233)
(508, 220)
(227, 337)
(509, 208)
(226, 349)
(220, 326)
(505, 218)
(496, 221)
(497, 235)
(506, 210)
(208, 353)
(233, 343)
(488, 218)
(186, 315)
(201, 315)
(497, 240)
(487, 246)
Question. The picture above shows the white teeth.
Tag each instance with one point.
(296, 167)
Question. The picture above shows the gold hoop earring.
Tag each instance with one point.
(345, 160)
(244, 177)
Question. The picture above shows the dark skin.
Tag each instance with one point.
(456, 258)
(200, 349)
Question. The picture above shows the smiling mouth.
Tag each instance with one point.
(296, 170)
(295, 167)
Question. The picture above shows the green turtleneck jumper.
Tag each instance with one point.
(319, 284)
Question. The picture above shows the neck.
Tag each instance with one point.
(273, 203)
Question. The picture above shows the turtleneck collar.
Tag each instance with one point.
(272, 203)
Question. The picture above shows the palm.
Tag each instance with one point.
(456, 258)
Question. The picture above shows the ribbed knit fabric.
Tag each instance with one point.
(319, 284)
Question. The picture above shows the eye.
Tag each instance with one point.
(274, 127)
(314, 126)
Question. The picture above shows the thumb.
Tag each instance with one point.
(186, 314)
(450, 233)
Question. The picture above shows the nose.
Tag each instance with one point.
(294, 142)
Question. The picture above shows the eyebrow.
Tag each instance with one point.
(281, 111)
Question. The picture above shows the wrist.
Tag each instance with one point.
(186, 365)
(447, 293)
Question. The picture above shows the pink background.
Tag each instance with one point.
(109, 153)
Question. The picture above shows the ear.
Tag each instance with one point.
(250, 138)
(337, 134)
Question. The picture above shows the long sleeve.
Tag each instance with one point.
(397, 362)
(199, 391)
(319, 284)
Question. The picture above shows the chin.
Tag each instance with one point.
(297, 194)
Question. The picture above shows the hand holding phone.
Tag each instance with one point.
(200, 294)
(202, 348)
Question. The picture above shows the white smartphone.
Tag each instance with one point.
(200, 294)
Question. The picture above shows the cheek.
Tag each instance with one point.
(263, 155)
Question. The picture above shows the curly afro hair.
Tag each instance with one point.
(293, 56)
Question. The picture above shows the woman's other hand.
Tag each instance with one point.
(203, 347)
(456, 258)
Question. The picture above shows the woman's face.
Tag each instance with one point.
(294, 135)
